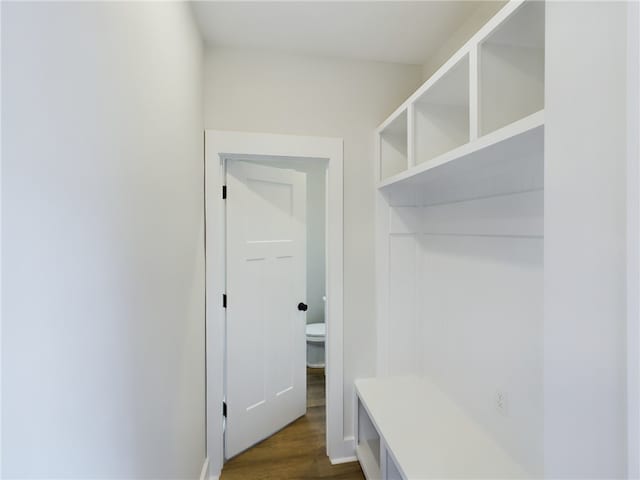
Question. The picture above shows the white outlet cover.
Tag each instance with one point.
(502, 403)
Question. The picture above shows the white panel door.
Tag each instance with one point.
(266, 282)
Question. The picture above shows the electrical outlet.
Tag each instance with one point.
(502, 404)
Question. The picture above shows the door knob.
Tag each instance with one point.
(302, 307)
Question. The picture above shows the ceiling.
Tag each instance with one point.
(391, 31)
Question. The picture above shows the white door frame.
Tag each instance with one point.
(222, 145)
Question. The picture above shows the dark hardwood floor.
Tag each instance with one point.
(297, 451)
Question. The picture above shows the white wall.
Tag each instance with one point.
(102, 223)
(279, 93)
(633, 239)
(585, 217)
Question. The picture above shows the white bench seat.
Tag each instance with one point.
(425, 435)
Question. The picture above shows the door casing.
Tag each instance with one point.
(226, 145)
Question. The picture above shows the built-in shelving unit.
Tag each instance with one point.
(507, 160)
(460, 266)
(490, 91)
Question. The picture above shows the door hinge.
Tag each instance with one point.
(224, 409)
(224, 300)
(224, 192)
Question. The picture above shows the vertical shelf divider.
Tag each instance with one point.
(378, 156)
(411, 132)
(474, 107)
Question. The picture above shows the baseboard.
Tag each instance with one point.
(345, 453)
(336, 461)
(204, 473)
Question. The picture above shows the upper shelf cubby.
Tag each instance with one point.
(393, 146)
(441, 114)
(511, 69)
(490, 91)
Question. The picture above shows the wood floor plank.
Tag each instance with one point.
(298, 451)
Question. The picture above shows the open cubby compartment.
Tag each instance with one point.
(441, 114)
(368, 444)
(393, 147)
(392, 472)
(511, 68)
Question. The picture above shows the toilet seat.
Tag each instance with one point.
(316, 332)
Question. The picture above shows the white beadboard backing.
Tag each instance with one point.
(465, 309)
(517, 215)
(403, 350)
(481, 316)
(405, 220)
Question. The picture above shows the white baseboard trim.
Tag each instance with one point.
(204, 473)
(336, 461)
(346, 452)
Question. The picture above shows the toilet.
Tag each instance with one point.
(315, 344)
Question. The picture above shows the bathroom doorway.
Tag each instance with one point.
(275, 289)
(316, 157)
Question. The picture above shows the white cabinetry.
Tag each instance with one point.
(460, 266)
